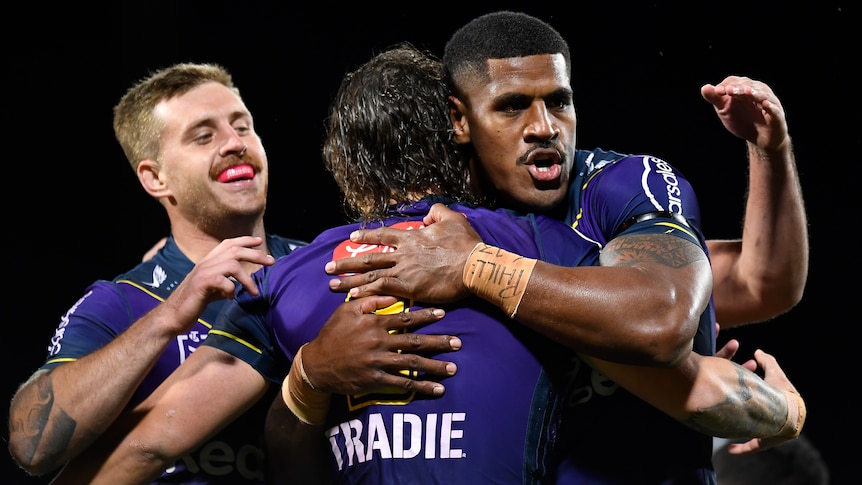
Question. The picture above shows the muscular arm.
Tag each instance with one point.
(650, 289)
(715, 396)
(641, 306)
(754, 279)
(57, 414)
(169, 423)
(763, 274)
(208, 391)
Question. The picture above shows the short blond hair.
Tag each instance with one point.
(136, 128)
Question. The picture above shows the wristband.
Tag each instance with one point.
(498, 276)
(306, 402)
(795, 416)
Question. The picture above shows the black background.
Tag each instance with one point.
(75, 212)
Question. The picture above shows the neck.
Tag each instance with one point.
(196, 241)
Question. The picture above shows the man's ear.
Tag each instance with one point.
(459, 121)
(150, 176)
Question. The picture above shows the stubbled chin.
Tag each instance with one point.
(539, 197)
(545, 174)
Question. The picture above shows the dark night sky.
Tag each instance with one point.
(81, 214)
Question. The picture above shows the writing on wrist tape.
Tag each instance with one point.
(498, 276)
(306, 402)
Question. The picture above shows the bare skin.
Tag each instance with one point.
(763, 274)
(168, 423)
(58, 413)
(428, 264)
(687, 374)
(365, 350)
(704, 393)
(520, 122)
(51, 419)
(754, 278)
(639, 311)
(597, 321)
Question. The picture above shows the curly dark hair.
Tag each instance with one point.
(389, 139)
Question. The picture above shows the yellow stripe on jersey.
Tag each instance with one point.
(236, 339)
(674, 226)
(157, 297)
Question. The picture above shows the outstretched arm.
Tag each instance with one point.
(763, 274)
(56, 414)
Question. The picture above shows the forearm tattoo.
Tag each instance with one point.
(48, 441)
(763, 410)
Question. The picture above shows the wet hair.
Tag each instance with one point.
(135, 126)
(389, 137)
(498, 35)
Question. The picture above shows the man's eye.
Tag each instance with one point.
(205, 138)
(514, 107)
(560, 103)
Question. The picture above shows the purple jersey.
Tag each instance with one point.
(108, 308)
(612, 437)
(497, 421)
(491, 426)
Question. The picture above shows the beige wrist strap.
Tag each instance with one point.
(307, 403)
(795, 415)
(498, 276)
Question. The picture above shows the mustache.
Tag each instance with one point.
(561, 152)
(235, 159)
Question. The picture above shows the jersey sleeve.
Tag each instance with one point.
(638, 194)
(242, 330)
(93, 321)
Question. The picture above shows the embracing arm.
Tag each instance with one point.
(143, 442)
(294, 430)
(641, 306)
(300, 447)
(646, 297)
(763, 274)
(718, 397)
(356, 351)
(57, 414)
